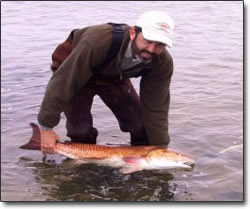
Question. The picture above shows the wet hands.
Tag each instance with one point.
(48, 141)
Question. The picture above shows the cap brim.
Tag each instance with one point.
(156, 36)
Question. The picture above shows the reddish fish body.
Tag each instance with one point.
(128, 158)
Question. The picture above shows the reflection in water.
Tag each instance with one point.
(70, 182)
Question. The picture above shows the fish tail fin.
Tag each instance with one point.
(35, 140)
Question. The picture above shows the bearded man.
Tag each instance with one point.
(100, 60)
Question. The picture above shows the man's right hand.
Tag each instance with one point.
(48, 141)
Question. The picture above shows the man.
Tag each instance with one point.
(80, 73)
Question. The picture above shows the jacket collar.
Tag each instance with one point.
(125, 46)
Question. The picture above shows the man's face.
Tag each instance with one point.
(144, 48)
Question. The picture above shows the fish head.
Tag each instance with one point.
(164, 158)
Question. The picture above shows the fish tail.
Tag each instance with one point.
(35, 140)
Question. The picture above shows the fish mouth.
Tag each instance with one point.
(189, 164)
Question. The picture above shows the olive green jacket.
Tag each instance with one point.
(90, 46)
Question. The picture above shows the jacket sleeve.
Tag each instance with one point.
(74, 72)
(155, 99)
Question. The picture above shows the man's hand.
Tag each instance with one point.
(48, 141)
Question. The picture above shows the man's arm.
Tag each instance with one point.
(155, 99)
(74, 72)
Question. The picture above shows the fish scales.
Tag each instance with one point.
(98, 151)
(128, 158)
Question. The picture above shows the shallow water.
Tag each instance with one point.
(206, 111)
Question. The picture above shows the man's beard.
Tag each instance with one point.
(136, 51)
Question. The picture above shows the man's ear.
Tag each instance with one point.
(132, 33)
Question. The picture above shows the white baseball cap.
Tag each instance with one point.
(156, 26)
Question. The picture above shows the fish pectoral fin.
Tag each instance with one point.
(129, 170)
(132, 160)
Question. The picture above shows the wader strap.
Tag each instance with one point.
(117, 37)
